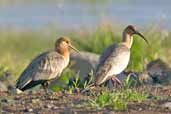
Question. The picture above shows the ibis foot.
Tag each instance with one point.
(116, 82)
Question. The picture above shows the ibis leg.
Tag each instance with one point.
(116, 81)
(45, 86)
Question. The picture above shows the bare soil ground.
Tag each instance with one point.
(40, 103)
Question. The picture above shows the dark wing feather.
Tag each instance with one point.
(26, 75)
(105, 54)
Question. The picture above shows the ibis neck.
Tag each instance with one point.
(127, 40)
(63, 51)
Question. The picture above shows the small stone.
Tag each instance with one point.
(35, 100)
(167, 105)
(111, 112)
(28, 110)
(48, 106)
(23, 102)
(140, 109)
(55, 107)
(51, 102)
(3, 87)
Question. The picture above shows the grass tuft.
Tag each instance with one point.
(117, 99)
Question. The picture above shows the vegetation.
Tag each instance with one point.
(117, 99)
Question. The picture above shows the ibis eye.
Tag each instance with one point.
(67, 42)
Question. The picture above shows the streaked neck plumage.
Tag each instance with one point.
(127, 39)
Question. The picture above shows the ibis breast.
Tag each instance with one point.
(113, 61)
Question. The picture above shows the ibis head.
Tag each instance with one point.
(63, 46)
(128, 32)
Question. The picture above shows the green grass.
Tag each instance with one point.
(117, 99)
(63, 80)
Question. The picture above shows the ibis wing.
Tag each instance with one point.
(27, 74)
(40, 68)
(49, 67)
(106, 53)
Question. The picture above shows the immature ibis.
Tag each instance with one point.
(46, 66)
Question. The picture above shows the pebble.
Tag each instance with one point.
(111, 112)
(167, 105)
(3, 87)
(35, 100)
(29, 110)
(48, 106)
(23, 102)
(140, 109)
(55, 107)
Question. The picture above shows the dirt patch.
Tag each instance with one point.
(38, 102)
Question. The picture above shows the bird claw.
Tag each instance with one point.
(116, 82)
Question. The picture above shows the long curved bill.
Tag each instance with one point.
(72, 47)
(142, 36)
